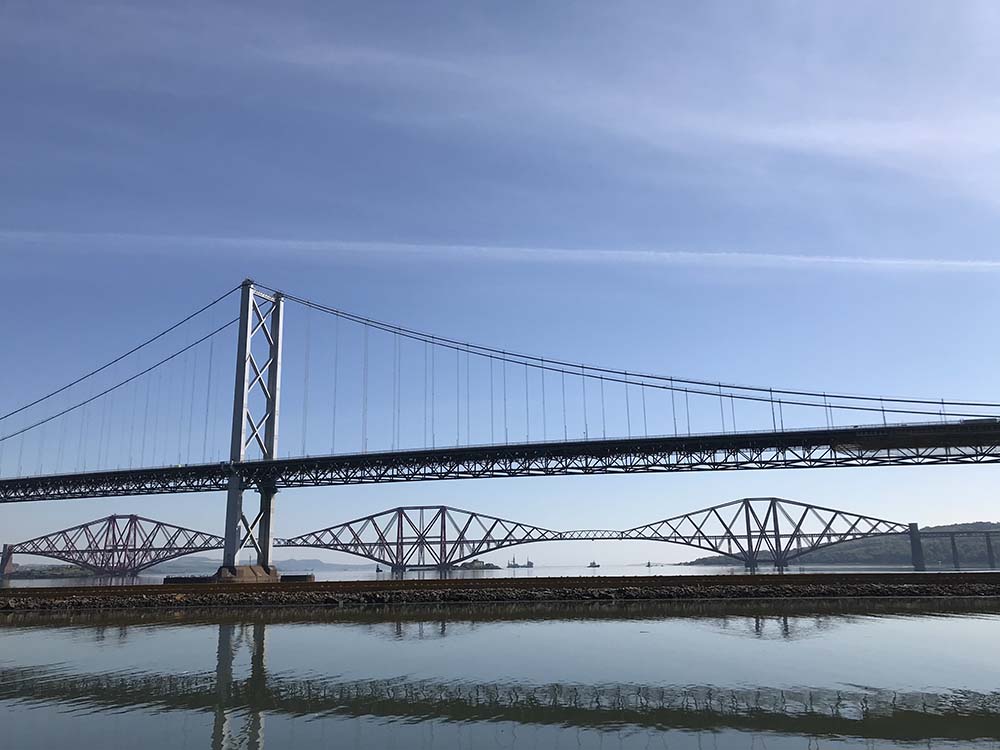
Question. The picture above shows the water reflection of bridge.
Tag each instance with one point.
(240, 703)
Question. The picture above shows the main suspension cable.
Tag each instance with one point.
(118, 385)
(669, 383)
(595, 371)
(118, 359)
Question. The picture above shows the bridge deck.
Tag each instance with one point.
(973, 441)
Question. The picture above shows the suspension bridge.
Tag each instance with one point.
(377, 402)
(750, 531)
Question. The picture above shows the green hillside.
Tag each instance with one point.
(895, 550)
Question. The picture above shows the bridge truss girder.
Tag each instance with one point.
(765, 530)
(898, 445)
(116, 545)
(426, 536)
(754, 531)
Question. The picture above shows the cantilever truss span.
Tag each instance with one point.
(422, 536)
(765, 530)
(753, 531)
(116, 545)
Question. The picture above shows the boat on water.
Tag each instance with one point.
(593, 564)
(515, 564)
(649, 564)
(378, 568)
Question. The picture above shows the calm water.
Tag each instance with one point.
(739, 675)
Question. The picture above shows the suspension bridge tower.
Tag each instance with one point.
(254, 434)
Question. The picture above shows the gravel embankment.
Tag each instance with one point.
(350, 593)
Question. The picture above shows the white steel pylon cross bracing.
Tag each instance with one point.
(255, 419)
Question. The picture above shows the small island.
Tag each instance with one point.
(477, 565)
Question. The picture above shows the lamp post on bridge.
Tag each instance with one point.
(257, 391)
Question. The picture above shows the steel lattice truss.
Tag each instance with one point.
(975, 442)
(754, 531)
(116, 545)
(422, 536)
(765, 530)
(900, 445)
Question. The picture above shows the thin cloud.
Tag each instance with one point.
(61, 242)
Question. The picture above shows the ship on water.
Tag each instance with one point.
(515, 564)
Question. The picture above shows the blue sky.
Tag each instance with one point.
(769, 193)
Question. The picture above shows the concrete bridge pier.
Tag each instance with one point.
(991, 559)
(916, 548)
(954, 553)
(6, 561)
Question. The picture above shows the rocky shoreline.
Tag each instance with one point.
(357, 593)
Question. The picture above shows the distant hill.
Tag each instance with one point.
(194, 564)
(895, 550)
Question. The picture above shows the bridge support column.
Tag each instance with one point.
(954, 553)
(991, 559)
(234, 514)
(399, 565)
(258, 374)
(916, 548)
(265, 542)
(751, 556)
(6, 561)
(779, 557)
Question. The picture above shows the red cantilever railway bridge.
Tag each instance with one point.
(753, 531)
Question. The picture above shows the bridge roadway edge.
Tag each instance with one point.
(946, 443)
(802, 586)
